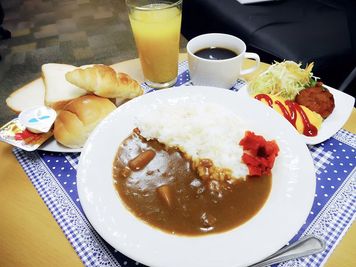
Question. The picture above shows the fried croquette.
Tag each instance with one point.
(317, 99)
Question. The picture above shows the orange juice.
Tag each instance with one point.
(156, 29)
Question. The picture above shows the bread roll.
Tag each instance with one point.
(103, 81)
(79, 118)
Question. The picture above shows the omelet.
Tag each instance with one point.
(306, 122)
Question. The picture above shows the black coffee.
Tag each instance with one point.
(215, 53)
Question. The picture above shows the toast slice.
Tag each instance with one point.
(19, 99)
(58, 91)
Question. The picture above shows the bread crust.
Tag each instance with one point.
(17, 101)
(103, 81)
(55, 83)
(67, 130)
(59, 105)
(78, 119)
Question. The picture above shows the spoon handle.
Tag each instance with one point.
(305, 246)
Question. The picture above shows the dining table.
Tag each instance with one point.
(31, 236)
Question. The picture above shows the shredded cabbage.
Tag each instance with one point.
(285, 79)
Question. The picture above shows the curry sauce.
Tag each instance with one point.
(159, 186)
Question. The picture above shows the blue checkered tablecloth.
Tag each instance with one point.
(334, 210)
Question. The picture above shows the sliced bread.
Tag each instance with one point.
(28, 96)
(58, 91)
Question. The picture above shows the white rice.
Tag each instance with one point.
(208, 131)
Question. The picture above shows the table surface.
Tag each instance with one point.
(29, 235)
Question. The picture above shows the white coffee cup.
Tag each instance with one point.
(222, 72)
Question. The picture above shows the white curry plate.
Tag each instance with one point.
(344, 104)
(285, 211)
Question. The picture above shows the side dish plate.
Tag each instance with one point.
(288, 205)
(344, 104)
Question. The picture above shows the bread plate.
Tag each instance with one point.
(52, 145)
(92, 88)
(285, 211)
(344, 104)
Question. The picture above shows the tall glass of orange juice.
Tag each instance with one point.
(156, 28)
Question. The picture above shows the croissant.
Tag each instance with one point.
(103, 81)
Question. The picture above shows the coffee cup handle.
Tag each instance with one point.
(255, 67)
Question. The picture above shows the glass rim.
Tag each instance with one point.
(145, 8)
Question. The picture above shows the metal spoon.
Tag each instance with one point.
(305, 246)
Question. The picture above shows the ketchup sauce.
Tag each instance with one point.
(291, 113)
